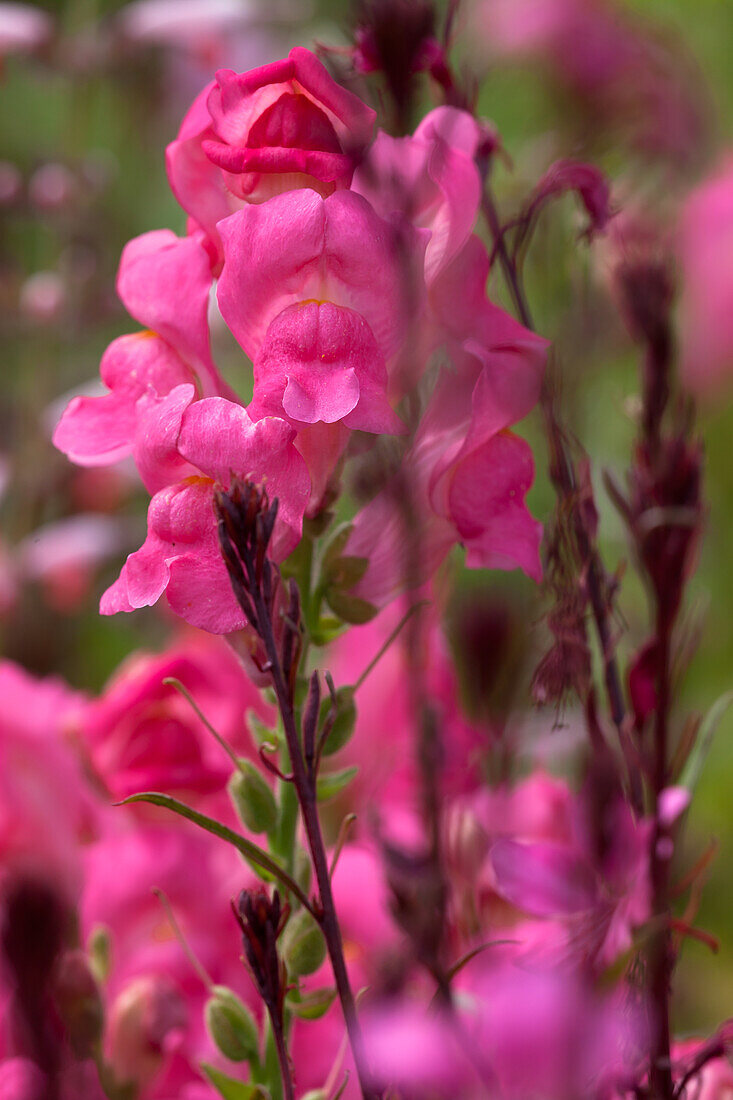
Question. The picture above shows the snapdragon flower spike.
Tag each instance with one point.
(164, 282)
(431, 178)
(217, 440)
(250, 136)
(320, 293)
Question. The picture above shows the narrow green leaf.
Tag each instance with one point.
(232, 1089)
(351, 609)
(248, 849)
(313, 1005)
(329, 784)
(696, 760)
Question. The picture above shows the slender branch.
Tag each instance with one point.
(308, 805)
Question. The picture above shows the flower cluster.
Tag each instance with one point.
(347, 269)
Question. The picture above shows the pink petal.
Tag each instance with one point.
(543, 879)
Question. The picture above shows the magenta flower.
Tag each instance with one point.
(430, 178)
(252, 135)
(213, 439)
(466, 478)
(164, 282)
(299, 292)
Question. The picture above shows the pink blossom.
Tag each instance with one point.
(213, 439)
(144, 736)
(46, 805)
(430, 178)
(253, 135)
(601, 907)
(706, 308)
(23, 28)
(154, 997)
(299, 293)
(464, 480)
(164, 282)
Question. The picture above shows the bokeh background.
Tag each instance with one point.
(91, 92)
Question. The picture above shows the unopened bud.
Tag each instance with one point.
(253, 799)
(304, 947)
(466, 842)
(344, 722)
(142, 1018)
(78, 1002)
(231, 1025)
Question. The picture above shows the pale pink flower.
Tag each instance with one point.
(252, 135)
(212, 439)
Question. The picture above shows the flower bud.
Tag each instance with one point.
(141, 1020)
(304, 948)
(231, 1025)
(466, 842)
(344, 722)
(253, 799)
(79, 1003)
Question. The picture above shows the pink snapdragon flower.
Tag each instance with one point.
(300, 293)
(705, 249)
(164, 282)
(144, 736)
(252, 135)
(23, 28)
(212, 439)
(431, 178)
(464, 480)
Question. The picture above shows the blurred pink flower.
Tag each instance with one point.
(47, 806)
(706, 309)
(23, 28)
(144, 736)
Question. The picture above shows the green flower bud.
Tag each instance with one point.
(253, 800)
(232, 1026)
(344, 722)
(304, 947)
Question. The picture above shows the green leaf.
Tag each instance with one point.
(350, 608)
(336, 544)
(249, 850)
(329, 784)
(232, 1089)
(696, 760)
(313, 1005)
(345, 572)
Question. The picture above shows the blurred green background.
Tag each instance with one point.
(99, 106)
